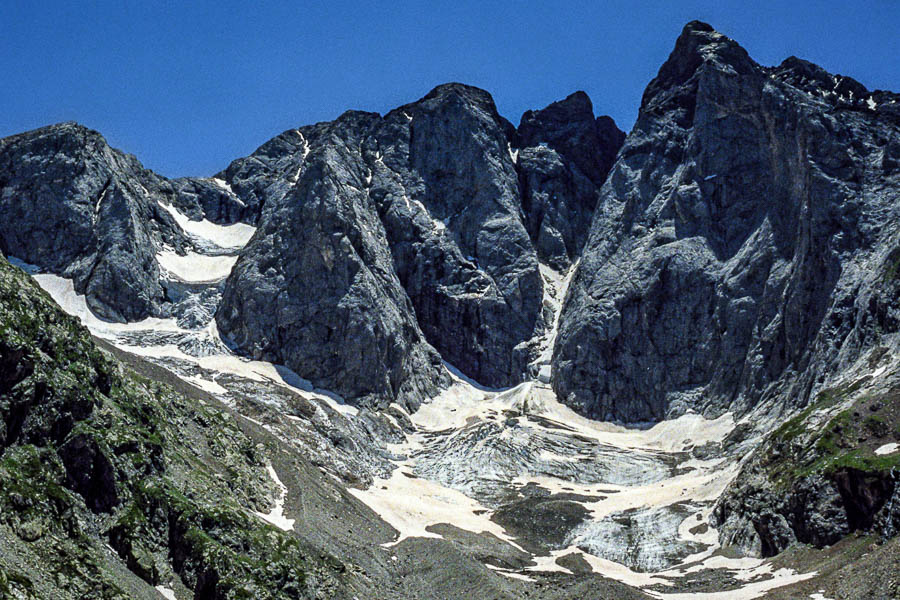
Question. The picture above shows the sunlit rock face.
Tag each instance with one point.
(736, 249)
(410, 229)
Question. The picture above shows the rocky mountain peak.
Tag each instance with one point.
(569, 127)
(468, 93)
(699, 49)
(577, 106)
(731, 186)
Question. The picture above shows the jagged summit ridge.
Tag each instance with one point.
(409, 236)
(742, 216)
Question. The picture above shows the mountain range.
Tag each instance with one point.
(433, 354)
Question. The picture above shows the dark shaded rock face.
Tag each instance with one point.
(819, 475)
(564, 157)
(738, 243)
(210, 199)
(428, 197)
(447, 192)
(818, 510)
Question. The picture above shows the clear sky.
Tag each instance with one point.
(189, 86)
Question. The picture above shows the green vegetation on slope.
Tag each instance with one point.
(847, 440)
(100, 466)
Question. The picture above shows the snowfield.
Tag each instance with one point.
(224, 236)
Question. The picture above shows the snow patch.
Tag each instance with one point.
(254, 370)
(196, 268)
(777, 579)
(63, 292)
(888, 449)
(276, 515)
(877, 372)
(224, 236)
(513, 154)
(207, 385)
(166, 592)
(411, 504)
(510, 574)
(222, 184)
(555, 287)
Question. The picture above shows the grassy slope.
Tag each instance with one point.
(102, 468)
(845, 440)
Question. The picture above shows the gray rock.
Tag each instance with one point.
(447, 191)
(201, 198)
(564, 157)
(745, 221)
(74, 206)
(315, 288)
(426, 196)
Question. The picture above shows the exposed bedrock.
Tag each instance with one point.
(75, 207)
(315, 288)
(385, 244)
(735, 253)
(564, 154)
(427, 196)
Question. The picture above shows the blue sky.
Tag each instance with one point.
(189, 88)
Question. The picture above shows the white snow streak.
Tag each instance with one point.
(224, 236)
(888, 449)
(63, 293)
(276, 515)
(166, 592)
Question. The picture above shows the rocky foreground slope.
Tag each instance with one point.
(379, 356)
(111, 483)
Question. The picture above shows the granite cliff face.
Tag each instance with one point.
(735, 254)
(427, 197)
(316, 290)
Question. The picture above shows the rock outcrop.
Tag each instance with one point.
(386, 244)
(427, 196)
(315, 289)
(737, 249)
(563, 157)
(831, 470)
(73, 205)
